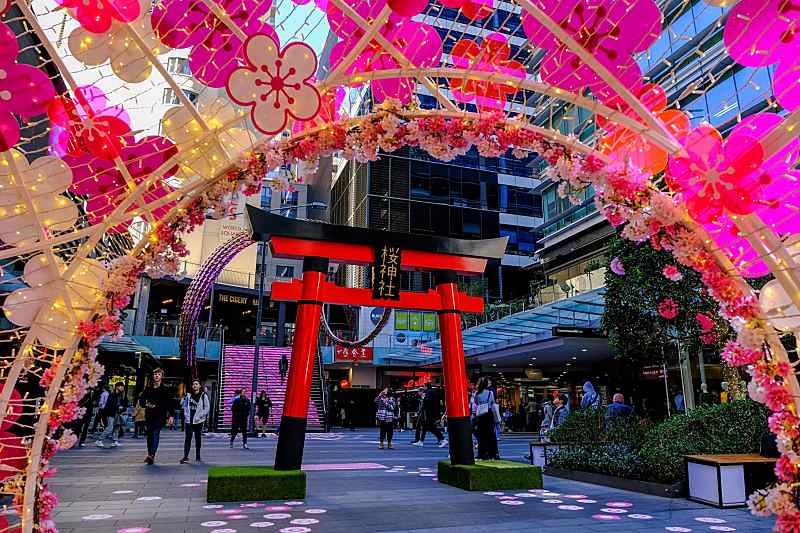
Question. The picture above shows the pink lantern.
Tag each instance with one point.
(766, 32)
(96, 15)
(216, 50)
(610, 30)
(492, 55)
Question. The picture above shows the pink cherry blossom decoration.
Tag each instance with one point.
(491, 55)
(88, 124)
(617, 266)
(419, 42)
(216, 49)
(668, 309)
(24, 90)
(610, 30)
(104, 184)
(275, 84)
(96, 15)
(766, 32)
(672, 273)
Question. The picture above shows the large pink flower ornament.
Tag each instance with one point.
(717, 176)
(24, 90)
(330, 110)
(96, 15)
(419, 43)
(216, 50)
(492, 55)
(765, 32)
(88, 124)
(611, 30)
(776, 202)
(104, 185)
(275, 84)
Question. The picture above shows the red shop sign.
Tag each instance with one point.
(360, 353)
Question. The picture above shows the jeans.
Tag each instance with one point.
(153, 434)
(387, 431)
(108, 432)
(190, 429)
(236, 428)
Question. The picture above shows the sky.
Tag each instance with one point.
(306, 23)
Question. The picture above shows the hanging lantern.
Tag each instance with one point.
(778, 307)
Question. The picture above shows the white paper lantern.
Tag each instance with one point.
(778, 307)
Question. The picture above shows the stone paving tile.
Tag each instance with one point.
(375, 500)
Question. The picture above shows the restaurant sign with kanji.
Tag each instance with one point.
(353, 353)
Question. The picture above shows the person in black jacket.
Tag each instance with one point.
(432, 412)
(240, 413)
(157, 403)
(108, 413)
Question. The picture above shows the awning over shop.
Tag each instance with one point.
(123, 344)
(523, 328)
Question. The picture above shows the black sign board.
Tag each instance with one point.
(386, 273)
(569, 331)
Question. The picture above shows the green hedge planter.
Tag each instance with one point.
(490, 475)
(251, 483)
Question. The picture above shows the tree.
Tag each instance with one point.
(649, 309)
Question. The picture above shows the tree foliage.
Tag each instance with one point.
(634, 326)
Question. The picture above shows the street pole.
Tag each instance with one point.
(258, 334)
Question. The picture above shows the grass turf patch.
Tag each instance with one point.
(490, 475)
(250, 483)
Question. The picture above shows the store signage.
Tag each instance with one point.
(653, 372)
(357, 353)
(565, 331)
(533, 373)
(236, 299)
(386, 273)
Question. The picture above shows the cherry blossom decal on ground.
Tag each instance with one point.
(24, 90)
(419, 43)
(491, 55)
(275, 84)
(610, 30)
(216, 49)
(766, 32)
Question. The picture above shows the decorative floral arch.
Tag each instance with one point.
(727, 208)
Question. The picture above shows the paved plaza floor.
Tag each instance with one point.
(352, 487)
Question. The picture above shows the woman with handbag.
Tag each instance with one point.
(484, 411)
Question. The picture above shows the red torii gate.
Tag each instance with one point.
(317, 244)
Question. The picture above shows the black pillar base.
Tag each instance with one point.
(291, 439)
(459, 430)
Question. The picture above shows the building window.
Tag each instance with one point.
(284, 271)
(171, 98)
(178, 65)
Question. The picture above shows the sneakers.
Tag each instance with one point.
(81, 445)
(197, 459)
(184, 461)
(442, 443)
(245, 446)
(114, 444)
(99, 444)
(418, 443)
(380, 446)
(390, 446)
(149, 459)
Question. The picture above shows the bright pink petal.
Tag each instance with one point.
(343, 26)
(759, 32)
(786, 83)
(182, 23)
(408, 8)
(9, 131)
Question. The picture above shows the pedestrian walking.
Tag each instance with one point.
(263, 409)
(240, 414)
(484, 413)
(82, 426)
(101, 403)
(157, 403)
(138, 421)
(432, 414)
(109, 413)
(559, 413)
(283, 367)
(385, 407)
(196, 407)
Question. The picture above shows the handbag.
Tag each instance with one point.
(482, 409)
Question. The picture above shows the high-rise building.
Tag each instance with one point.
(471, 197)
